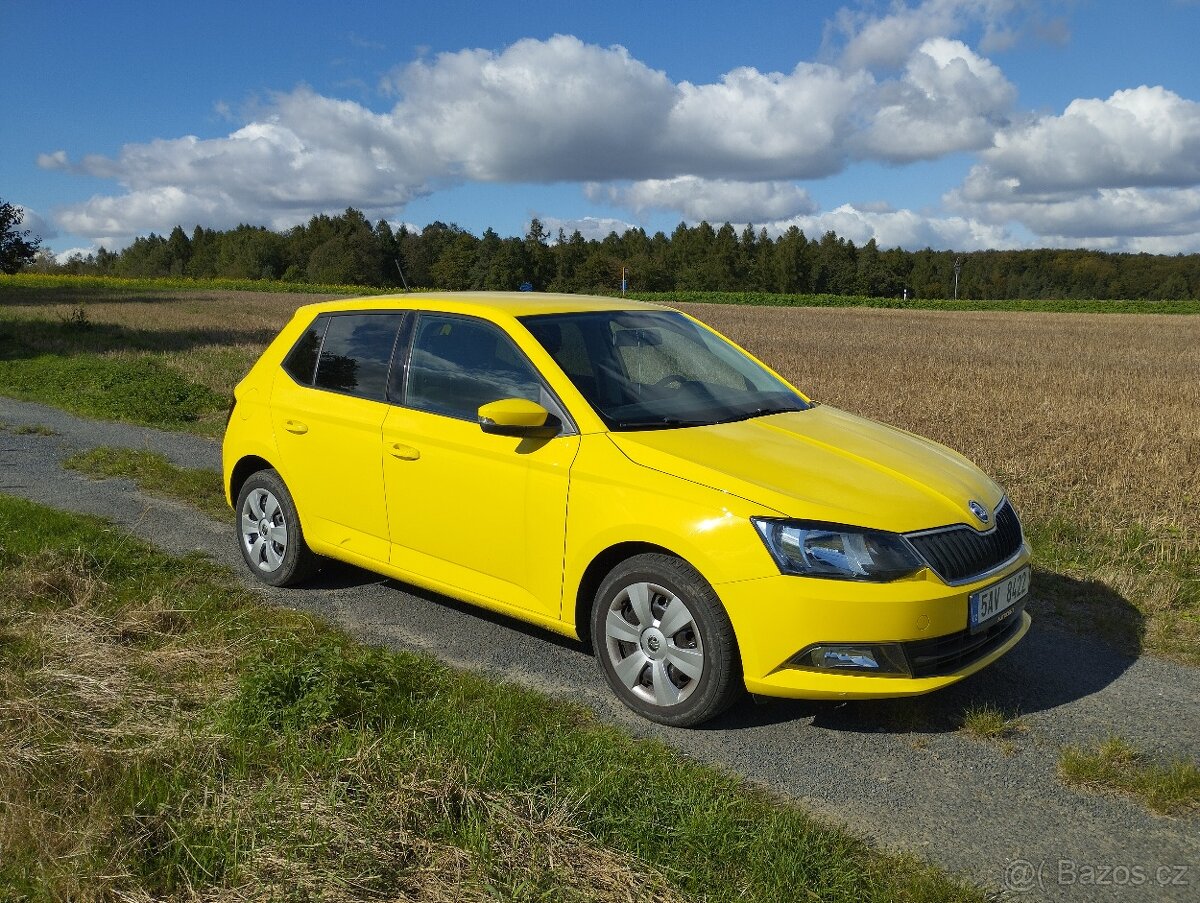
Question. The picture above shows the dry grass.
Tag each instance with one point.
(533, 850)
(85, 693)
(91, 693)
(1090, 421)
(210, 337)
(988, 722)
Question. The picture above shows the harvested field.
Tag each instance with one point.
(1091, 417)
(1092, 423)
(1089, 420)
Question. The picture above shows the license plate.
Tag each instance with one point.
(997, 601)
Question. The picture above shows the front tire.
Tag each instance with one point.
(269, 532)
(664, 641)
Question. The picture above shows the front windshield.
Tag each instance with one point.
(658, 369)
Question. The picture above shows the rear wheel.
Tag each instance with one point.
(269, 532)
(664, 641)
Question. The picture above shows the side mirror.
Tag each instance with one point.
(516, 417)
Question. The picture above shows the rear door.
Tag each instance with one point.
(328, 410)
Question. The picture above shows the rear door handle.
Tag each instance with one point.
(404, 452)
(295, 426)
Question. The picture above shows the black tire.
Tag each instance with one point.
(642, 657)
(275, 557)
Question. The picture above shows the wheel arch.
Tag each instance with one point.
(599, 568)
(245, 468)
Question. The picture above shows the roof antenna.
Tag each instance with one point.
(401, 272)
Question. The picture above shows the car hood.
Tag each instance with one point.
(823, 464)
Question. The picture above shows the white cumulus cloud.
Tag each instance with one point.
(715, 200)
(1146, 136)
(590, 227)
(1121, 173)
(541, 112)
(866, 40)
(901, 228)
(949, 99)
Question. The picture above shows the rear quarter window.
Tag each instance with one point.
(301, 362)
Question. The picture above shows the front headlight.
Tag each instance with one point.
(830, 550)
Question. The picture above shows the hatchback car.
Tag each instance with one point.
(621, 473)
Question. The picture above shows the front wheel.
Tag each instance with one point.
(664, 641)
(269, 532)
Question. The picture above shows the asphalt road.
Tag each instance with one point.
(899, 772)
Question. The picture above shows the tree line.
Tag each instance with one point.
(348, 249)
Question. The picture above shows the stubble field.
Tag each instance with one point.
(1091, 421)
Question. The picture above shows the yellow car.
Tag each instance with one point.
(621, 473)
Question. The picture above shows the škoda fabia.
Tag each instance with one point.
(619, 472)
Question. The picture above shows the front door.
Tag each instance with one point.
(479, 512)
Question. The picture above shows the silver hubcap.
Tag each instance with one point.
(654, 644)
(264, 532)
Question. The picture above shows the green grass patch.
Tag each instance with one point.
(1168, 788)
(988, 722)
(1076, 565)
(169, 734)
(86, 286)
(1057, 306)
(155, 475)
(140, 389)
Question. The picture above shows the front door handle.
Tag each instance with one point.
(295, 426)
(404, 452)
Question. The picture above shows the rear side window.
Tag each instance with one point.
(345, 353)
(356, 353)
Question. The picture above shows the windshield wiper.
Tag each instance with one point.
(659, 423)
(762, 412)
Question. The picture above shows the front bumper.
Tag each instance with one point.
(776, 617)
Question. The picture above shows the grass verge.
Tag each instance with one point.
(168, 734)
(26, 429)
(1168, 788)
(132, 389)
(66, 285)
(155, 475)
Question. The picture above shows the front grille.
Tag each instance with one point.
(948, 654)
(957, 554)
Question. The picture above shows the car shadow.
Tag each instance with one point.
(1050, 667)
(336, 576)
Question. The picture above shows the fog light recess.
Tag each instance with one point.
(856, 658)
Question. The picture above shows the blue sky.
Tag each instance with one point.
(953, 124)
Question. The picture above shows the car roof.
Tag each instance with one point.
(514, 304)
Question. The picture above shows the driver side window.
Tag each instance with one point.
(458, 364)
